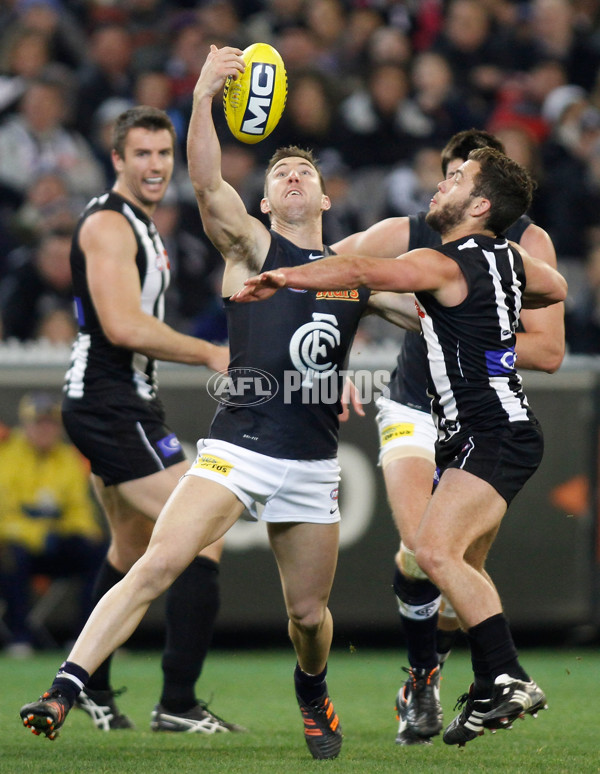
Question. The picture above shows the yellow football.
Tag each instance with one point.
(254, 102)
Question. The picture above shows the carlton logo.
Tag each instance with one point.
(338, 295)
(242, 387)
(260, 99)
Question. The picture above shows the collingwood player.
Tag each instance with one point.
(469, 293)
(407, 443)
(113, 414)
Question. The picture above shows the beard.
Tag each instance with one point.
(443, 219)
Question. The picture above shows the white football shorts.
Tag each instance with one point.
(289, 490)
(404, 432)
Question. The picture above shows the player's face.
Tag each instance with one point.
(294, 190)
(454, 196)
(146, 168)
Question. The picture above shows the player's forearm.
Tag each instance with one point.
(203, 148)
(396, 308)
(155, 339)
(333, 273)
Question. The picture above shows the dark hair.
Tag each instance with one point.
(293, 150)
(461, 144)
(140, 117)
(506, 184)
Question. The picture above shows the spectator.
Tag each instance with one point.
(379, 121)
(554, 32)
(310, 119)
(23, 55)
(36, 140)
(409, 187)
(479, 54)
(41, 284)
(48, 521)
(108, 72)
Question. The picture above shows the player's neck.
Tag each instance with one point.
(464, 230)
(308, 236)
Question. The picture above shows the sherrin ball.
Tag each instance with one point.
(254, 102)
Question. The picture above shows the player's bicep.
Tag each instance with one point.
(110, 248)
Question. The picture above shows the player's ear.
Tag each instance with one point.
(265, 206)
(480, 206)
(117, 161)
(325, 202)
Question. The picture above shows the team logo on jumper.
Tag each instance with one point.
(500, 362)
(169, 445)
(262, 85)
(214, 464)
(162, 261)
(242, 386)
(337, 295)
(399, 430)
(312, 346)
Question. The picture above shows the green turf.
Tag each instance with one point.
(255, 689)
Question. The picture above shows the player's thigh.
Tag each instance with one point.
(463, 510)
(408, 482)
(197, 515)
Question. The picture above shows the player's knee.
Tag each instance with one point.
(307, 617)
(431, 561)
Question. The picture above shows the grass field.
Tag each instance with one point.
(255, 689)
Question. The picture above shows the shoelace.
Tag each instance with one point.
(461, 701)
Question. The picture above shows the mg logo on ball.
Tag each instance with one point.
(262, 84)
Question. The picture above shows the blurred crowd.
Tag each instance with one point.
(376, 88)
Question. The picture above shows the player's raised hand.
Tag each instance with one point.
(220, 63)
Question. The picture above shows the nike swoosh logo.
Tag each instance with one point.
(314, 256)
(297, 290)
(333, 510)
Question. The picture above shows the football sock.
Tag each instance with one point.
(309, 688)
(192, 606)
(418, 603)
(108, 577)
(444, 640)
(69, 680)
(493, 653)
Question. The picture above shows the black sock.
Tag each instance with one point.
(422, 598)
(191, 612)
(444, 641)
(69, 680)
(309, 688)
(493, 653)
(108, 577)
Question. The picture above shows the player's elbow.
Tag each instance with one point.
(120, 334)
(552, 358)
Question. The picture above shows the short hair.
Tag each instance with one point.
(294, 150)
(140, 117)
(506, 184)
(461, 144)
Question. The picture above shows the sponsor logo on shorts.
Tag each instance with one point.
(337, 295)
(216, 464)
(334, 495)
(169, 445)
(399, 430)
